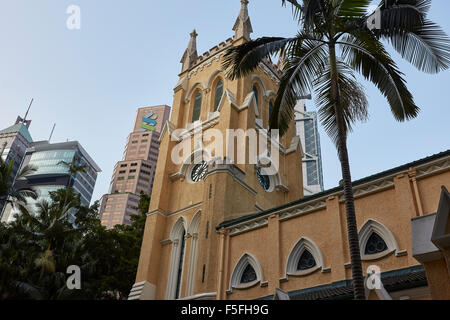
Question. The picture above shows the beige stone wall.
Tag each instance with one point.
(391, 204)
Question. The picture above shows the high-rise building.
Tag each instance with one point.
(306, 126)
(14, 141)
(136, 172)
(52, 174)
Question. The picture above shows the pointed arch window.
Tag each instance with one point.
(218, 94)
(375, 244)
(255, 92)
(270, 109)
(249, 275)
(180, 265)
(246, 273)
(197, 106)
(306, 261)
(377, 241)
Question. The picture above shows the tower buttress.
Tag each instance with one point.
(243, 26)
(190, 55)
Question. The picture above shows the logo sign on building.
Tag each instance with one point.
(149, 122)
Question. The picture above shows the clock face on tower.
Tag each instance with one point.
(199, 171)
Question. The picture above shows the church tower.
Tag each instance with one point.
(181, 255)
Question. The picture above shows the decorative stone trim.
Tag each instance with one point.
(238, 270)
(249, 225)
(304, 209)
(372, 226)
(201, 296)
(304, 244)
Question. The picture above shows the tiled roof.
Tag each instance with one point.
(392, 280)
(21, 128)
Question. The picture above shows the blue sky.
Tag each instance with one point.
(126, 55)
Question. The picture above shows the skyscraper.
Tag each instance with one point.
(51, 174)
(135, 173)
(306, 125)
(14, 141)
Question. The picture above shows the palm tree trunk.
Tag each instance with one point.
(352, 231)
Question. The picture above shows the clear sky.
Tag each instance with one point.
(126, 55)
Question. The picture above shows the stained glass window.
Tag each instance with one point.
(375, 244)
(264, 180)
(197, 107)
(306, 261)
(219, 94)
(249, 274)
(255, 91)
(199, 171)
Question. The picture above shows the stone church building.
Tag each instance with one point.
(224, 230)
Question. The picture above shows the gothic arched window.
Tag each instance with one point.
(375, 244)
(218, 94)
(306, 261)
(180, 265)
(255, 92)
(197, 107)
(249, 275)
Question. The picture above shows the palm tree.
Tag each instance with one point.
(73, 168)
(334, 43)
(9, 192)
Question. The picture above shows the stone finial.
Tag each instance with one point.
(190, 55)
(243, 26)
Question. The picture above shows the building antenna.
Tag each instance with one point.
(26, 114)
(51, 134)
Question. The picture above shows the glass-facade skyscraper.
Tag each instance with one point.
(52, 174)
(306, 125)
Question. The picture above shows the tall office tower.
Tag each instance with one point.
(136, 172)
(51, 174)
(14, 141)
(307, 129)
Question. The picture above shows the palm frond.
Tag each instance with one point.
(367, 56)
(241, 60)
(353, 101)
(353, 8)
(304, 60)
(418, 40)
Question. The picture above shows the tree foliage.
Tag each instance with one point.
(37, 248)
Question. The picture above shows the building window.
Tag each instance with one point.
(376, 241)
(305, 258)
(197, 107)
(199, 171)
(306, 261)
(255, 92)
(246, 273)
(180, 266)
(249, 275)
(375, 244)
(270, 111)
(263, 179)
(218, 95)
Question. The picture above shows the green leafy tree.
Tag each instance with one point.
(333, 44)
(37, 247)
(144, 203)
(9, 192)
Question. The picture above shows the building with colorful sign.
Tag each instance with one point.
(135, 173)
